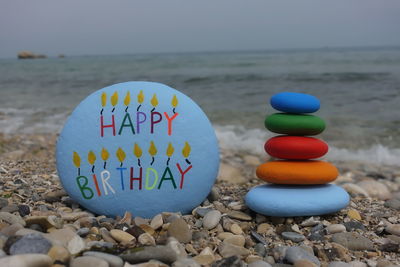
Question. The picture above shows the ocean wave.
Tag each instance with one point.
(239, 139)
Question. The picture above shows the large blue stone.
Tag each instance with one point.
(290, 201)
(140, 147)
(295, 102)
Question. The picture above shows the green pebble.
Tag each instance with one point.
(294, 124)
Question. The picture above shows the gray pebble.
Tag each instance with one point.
(30, 243)
(211, 219)
(3, 202)
(295, 237)
(296, 253)
(185, 263)
(233, 261)
(88, 261)
(353, 241)
(338, 264)
(259, 264)
(354, 225)
(260, 249)
(160, 253)
(393, 203)
(83, 231)
(335, 228)
(202, 211)
(113, 261)
(23, 210)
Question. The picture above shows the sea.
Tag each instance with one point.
(359, 90)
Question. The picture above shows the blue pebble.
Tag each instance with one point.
(294, 200)
(295, 102)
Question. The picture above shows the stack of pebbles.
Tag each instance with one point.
(299, 183)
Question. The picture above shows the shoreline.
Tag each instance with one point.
(34, 196)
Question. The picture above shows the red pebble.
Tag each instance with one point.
(295, 147)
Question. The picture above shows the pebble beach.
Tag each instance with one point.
(40, 225)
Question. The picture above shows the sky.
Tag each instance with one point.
(96, 27)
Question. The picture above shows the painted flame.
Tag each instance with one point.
(154, 100)
(127, 99)
(76, 159)
(114, 99)
(120, 154)
(91, 157)
(186, 150)
(137, 151)
(170, 150)
(140, 97)
(152, 149)
(104, 154)
(103, 99)
(174, 101)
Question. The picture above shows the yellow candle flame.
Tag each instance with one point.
(154, 100)
(91, 157)
(170, 150)
(120, 154)
(174, 101)
(114, 99)
(186, 150)
(127, 99)
(140, 97)
(76, 159)
(152, 149)
(137, 151)
(103, 99)
(104, 154)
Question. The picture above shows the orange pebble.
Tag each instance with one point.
(297, 172)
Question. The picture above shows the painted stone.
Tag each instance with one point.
(290, 201)
(302, 172)
(141, 147)
(295, 102)
(294, 124)
(295, 147)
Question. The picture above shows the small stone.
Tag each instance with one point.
(235, 228)
(235, 214)
(353, 241)
(54, 196)
(185, 263)
(263, 228)
(136, 231)
(202, 211)
(258, 237)
(76, 245)
(214, 194)
(297, 253)
(10, 208)
(393, 203)
(157, 222)
(26, 260)
(147, 228)
(355, 190)
(59, 253)
(224, 235)
(146, 239)
(3, 202)
(393, 229)
(161, 253)
(11, 218)
(112, 260)
(31, 243)
(83, 231)
(353, 214)
(233, 261)
(353, 225)
(304, 263)
(338, 264)
(357, 264)
(139, 221)
(11, 229)
(375, 189)
(205, 257)
(177, 247)
(295, 237)
(230, 174)
(259, 263)
(62, 236)
(180, 230)
(105, 234)
(121, 236)
(309, 222)
(227, 250)
(237, 240)
(335, 228)
(23, 210)
(260, 249)
(211, 219)
(88, 261)
(41, 220)
(390, 247)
